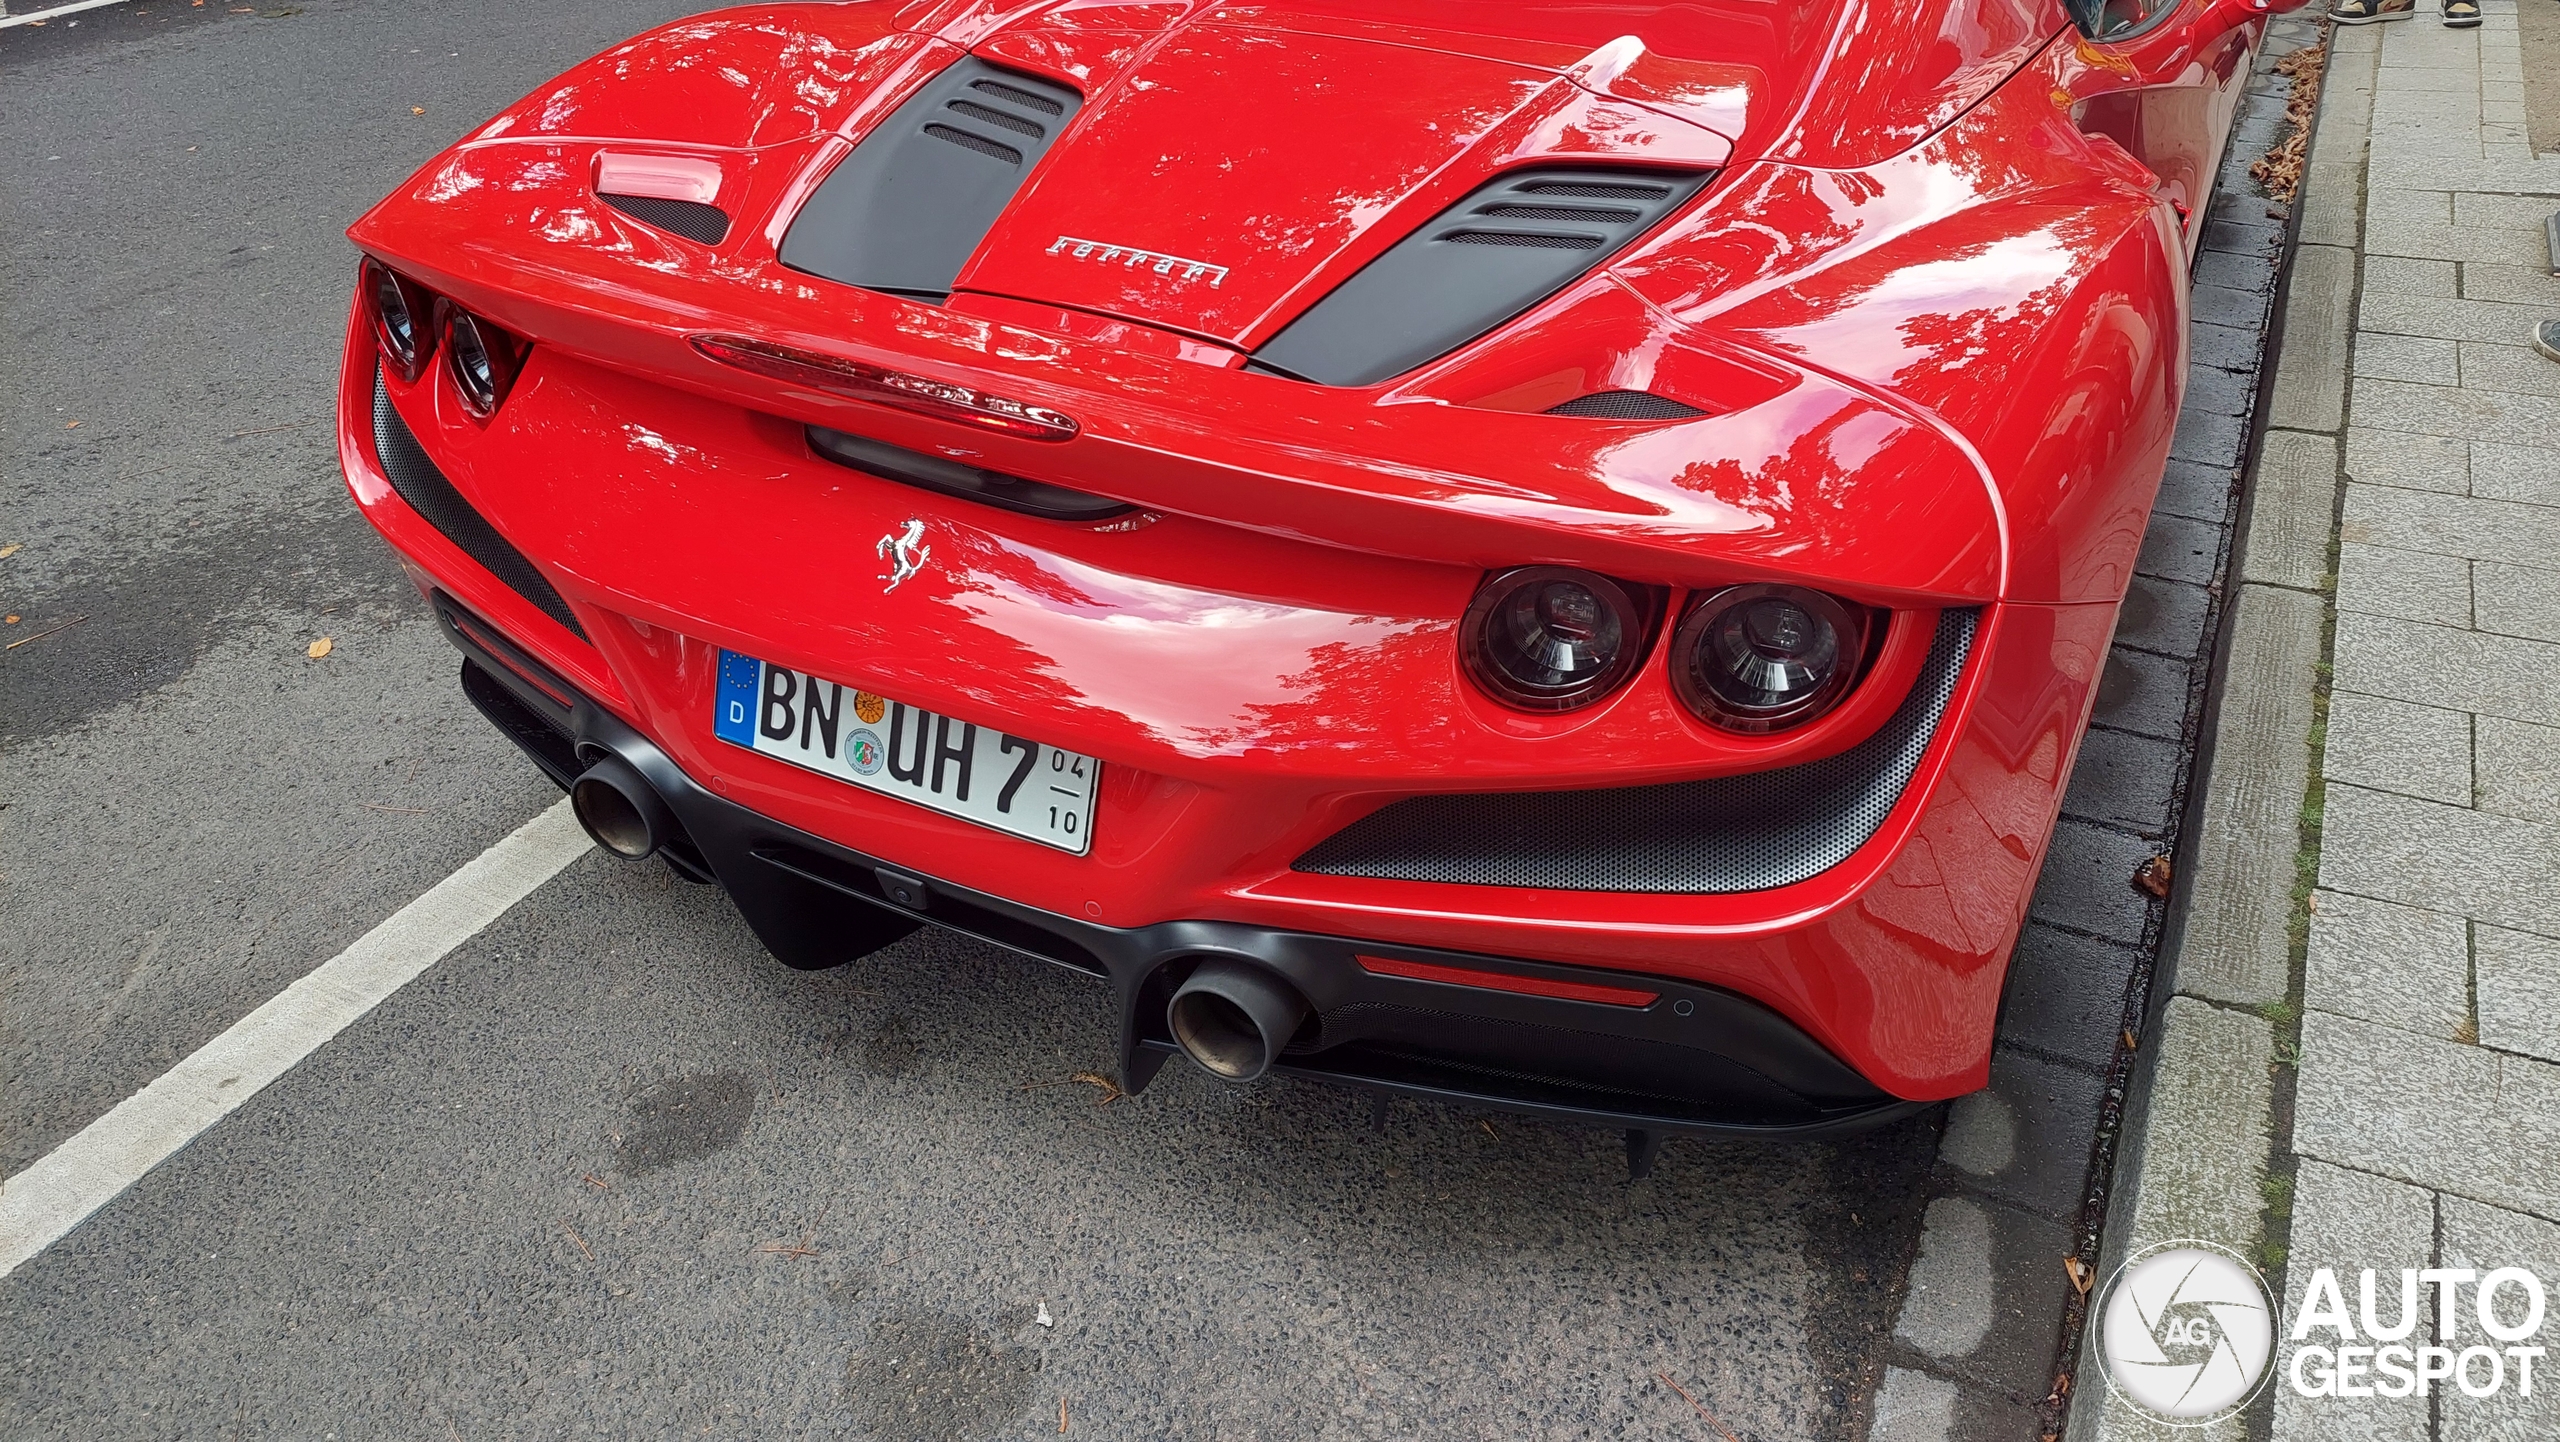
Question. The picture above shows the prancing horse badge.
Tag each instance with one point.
(905, 552)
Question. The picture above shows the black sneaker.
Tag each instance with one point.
(2366, 12)
(2460, 14)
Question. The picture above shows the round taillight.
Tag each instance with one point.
(1757, 659)
(399, 320)
(1544, 638)
(482, 359)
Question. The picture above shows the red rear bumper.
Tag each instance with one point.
(1249, 696)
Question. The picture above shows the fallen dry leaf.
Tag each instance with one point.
(11, 549)
(2131, 1042)
(417, 110)
(2079, 1273)
(2280, 169)
(318, 649)
(71, 425)
(2153, 876)
(12, 618)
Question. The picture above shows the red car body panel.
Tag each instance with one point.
(1933, 317)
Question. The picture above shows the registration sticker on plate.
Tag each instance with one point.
(977, 773)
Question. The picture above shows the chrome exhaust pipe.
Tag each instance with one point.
(621, 810)
(1233, 1017)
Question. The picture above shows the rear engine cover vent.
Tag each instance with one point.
(908, 207)
(708, 224)
(1625, 406)
(1501, 250)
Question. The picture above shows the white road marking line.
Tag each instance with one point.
(37, 16)
(43, 1203)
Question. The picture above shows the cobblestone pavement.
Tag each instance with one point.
(1989, 1322)
(2360, 1064)
(2427, 1110)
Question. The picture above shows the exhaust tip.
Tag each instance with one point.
(622, 812)
(1233, 1018)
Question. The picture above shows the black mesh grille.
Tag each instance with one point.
(415, 477)
(1016, 95)
(978, 143)
(1626, 406)
(693, 220)
(1523, 237)
(993, 116)
(1598, 190)
(1563, 212)
(1751, 832)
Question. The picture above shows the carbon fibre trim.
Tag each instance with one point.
(703, 224)
(1727, 834)
(1626, 406)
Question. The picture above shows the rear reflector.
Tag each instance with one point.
(921, 394)
(1507, 981)
(535, 674)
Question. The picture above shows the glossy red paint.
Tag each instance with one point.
(1932, 306)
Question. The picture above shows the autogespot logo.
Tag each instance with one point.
(2186, 1330)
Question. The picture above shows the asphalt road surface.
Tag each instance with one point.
(607, 1168)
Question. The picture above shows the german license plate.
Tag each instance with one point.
(977, 773)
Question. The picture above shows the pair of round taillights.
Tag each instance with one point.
(1752, 659)
(408, 319)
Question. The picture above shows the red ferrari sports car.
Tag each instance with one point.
(1550, 553)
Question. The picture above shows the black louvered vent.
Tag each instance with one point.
(1625, 406)
(693, 220)
(1511, 244)
(1753, 832)
(1517, 237)
(406, 465)
(907, 208)
(1597, 190)
(969, 140)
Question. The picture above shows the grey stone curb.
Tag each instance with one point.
(2196, 1152)
(1986, 1339)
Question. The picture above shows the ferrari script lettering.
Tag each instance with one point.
(1078, 248)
